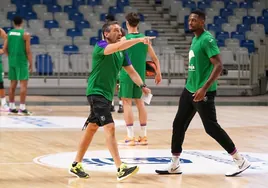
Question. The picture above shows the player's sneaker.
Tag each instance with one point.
(24, 112)
(241, 165)
(142, 140)
(128, 141)
(120, 109)
(13, 111)
(171, 168)
(4, 108)
(124, 171)
(78, 171)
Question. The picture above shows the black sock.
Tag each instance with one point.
(74, 164)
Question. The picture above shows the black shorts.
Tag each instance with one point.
(99, 111)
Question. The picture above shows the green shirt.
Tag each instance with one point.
(16, 48)
(105, 68)
(137, 55)
(199, 70)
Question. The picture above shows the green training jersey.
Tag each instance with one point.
(16, 48)
(199, 69)
(137, 55)
(105, 69)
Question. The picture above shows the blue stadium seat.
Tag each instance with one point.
(222, 36)
(189, 4)
(103, 16)
(77, 3)
(22, 8)
(35, 39)
(7, 29)
(248, 20)
(220, 43)
(246, 5)
(93, 40)
(237, 35)
(12, 14)
(151, 33)
(249, 44)
(31, 2)
(242, 28)
(44, 65)
(220, 20)
(30, 16)
(49, 24)
(73, 32)
(122, 3)
(49, 2)
(76, 16)
(231, 5)
(82, 24)
(265, 13)
(186, 25)
(124, 25)
(70, 49)
(264, 21)
(54, 8)
(214, 27)
(224, 12)
(203, 5)
(141, 17)
(70, 8)
(114, 10)
(100, 33)
(94, 2)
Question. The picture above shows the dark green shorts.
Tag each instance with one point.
(130, 90)
(18, 73)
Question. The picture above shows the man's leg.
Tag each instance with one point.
(143, 121)
(12, 76)
(207, 112)
(184, 116)
(23, 77)
(4, 105)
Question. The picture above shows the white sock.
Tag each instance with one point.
(237, 156)
(143, 130)
(120, 103)
(22, 106)
(175, 160)
(113, 103)
(130, 132)
(3, 101)
(12, 105)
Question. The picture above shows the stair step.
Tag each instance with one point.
(147, 11)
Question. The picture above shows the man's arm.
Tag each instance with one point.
(154, 58)
(3, 35)
(125, 44)
(27, 38)
(217, 69)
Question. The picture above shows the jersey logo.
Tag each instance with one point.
(211, 40)
(121, 54)
(191, 67)
(14, 33)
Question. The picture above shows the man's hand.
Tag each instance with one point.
(146, 90)
(158, 78)
(199, 95)
(147, 40)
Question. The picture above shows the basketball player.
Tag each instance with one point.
(110, 18)
(128, 89)
(17, 46)
(204, 68)
(4, 105)
(107, 60)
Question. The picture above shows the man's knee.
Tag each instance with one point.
(127, 101)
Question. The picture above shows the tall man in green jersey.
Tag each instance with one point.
(204, 68)
(128, 89)
(17, 47)
(107, 60)
(4, 106)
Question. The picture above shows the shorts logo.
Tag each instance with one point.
(102, 118)
(192, 161)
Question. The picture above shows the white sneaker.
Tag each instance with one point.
(241, 165)
(5, 108)
(170, 169)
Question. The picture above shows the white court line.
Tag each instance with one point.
(18, 163)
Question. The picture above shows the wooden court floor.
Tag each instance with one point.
(36, 151)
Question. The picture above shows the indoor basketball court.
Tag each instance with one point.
(36, 151)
